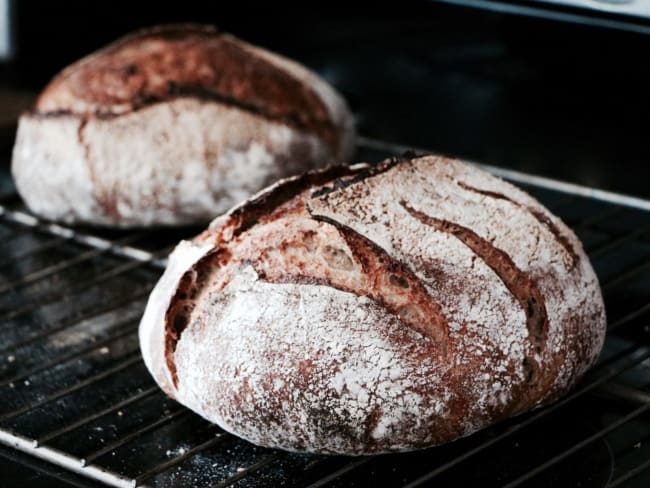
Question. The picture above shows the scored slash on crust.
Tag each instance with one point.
(383, 278)
(539, 216)
(421, 313)
(155, 65)
(522, 286)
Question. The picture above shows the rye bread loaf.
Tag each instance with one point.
(363, 309)
(173, 125)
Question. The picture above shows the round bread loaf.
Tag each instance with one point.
(363, 309)
(173, 125)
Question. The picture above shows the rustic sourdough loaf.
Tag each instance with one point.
(368, 309)
(173, 125)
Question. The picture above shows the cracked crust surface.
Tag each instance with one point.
(363, 310)
(173, 125)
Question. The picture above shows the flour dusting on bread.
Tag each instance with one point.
(385, 309)
(172, 126)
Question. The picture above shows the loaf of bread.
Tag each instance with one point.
(173, 125)
(362, 309)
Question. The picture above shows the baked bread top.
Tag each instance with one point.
(188, 60)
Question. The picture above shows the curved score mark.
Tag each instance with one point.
(178, 314)
(539, 216)
(522, 286)
(389, 279)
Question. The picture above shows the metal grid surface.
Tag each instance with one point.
(74, 390)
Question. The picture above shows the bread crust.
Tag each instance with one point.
(171, 126)
(292, 332)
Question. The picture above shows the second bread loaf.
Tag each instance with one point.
(172, 126)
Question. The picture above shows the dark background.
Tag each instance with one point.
(558, 99)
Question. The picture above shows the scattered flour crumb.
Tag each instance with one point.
(176, 452)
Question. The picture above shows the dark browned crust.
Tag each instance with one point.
(377, 264)
(243, 217)
(169, 31)
(176, 320)
(369, 172)
(539, 216)
(197, 61)
(487, 193)
(183, 302)
(519, 283)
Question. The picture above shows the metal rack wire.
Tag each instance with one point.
(74, 391)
